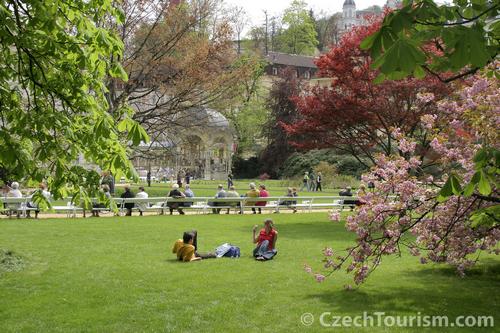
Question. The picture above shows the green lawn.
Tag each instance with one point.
(118, 275)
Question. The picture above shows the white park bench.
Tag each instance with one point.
(201, 205)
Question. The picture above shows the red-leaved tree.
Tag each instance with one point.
(354, 114)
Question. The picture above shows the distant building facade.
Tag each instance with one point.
(304, 66)
(351, 17)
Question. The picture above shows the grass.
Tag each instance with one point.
(118, 275)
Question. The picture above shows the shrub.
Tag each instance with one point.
(298, 163)
(328, 171)
(348, 165)
(246, 168)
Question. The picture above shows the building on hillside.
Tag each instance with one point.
(351, 17)
(304, 66)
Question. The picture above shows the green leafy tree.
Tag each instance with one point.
(246, 109)
(424, 37)
(299, 36)
(54, 58)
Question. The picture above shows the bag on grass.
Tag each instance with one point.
(234, 252)
(227, 250)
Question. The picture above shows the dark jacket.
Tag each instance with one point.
(128, 194)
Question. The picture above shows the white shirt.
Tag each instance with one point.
(15, 193)
(143, 205)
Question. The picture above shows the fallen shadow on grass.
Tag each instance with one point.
(435, 291)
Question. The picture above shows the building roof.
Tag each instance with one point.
(349, 2)
(197, 121)
(291, 60)
(372, 10)
(208, 118)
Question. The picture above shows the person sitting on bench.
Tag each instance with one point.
(232, 194)
(142, 206)
(99, 206)
(188, 192)
(42, 188)
(291, 192)
(346, 192)
(176, 194)
(219, 195)
(262, 194)
(128, 194)
(253, 193)
(14, 192)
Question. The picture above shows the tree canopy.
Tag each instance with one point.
(177, 57)
(448, 41)
(54, 58)
(354, 114)
(299, 35)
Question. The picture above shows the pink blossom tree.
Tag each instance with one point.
(450, 222)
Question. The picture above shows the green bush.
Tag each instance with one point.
(298, 163)
(348, 165)
(246, 168)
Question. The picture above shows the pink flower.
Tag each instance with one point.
(307, 268)
(319, 277)
(456, 124)
(328, 252)
(361, 274)
(399, 201)
(437, 146)
(397, 133)
(406, 146)
(425, 97)
(428, 120)
(335, 216)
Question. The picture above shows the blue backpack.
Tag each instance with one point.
(233, 252)
(227, 250)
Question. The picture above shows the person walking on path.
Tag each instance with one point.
(305, 181)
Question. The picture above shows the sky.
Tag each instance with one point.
(255, 8)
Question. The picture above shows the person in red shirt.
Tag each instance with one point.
(266, 241)
(262, 194)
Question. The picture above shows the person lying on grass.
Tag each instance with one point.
(266, 241)
(180, 242)
(184, 248)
